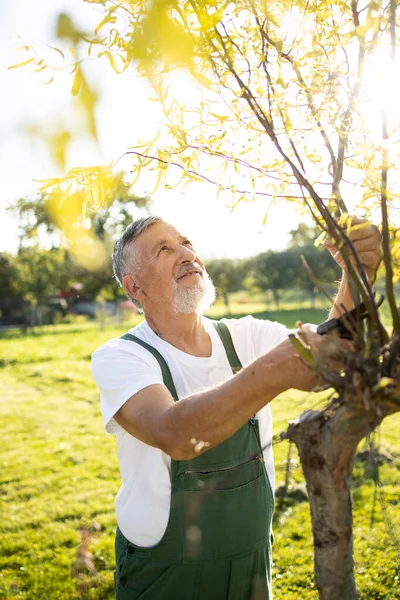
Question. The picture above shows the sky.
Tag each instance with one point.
(124, 116)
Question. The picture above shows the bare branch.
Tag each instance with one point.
(357, 274)
(287, 57)
(196, 174)
(384, 176)
(315, 281)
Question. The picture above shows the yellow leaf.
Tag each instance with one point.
(77, 82)
(109, 18)
(113, 63)
(21, 64)
(265, 217)
(269, 16)
(150, 143)
(40, 68)
(57, 50)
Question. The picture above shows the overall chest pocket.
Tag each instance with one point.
(226, 514)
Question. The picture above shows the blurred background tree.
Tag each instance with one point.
(228, 275)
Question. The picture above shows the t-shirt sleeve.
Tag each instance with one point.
(121, 369)
(253, 337)
(267, 334)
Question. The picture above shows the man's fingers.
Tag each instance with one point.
(368, 259)
(360, 230)
(363, 245)
(368, 249)
(366, 245)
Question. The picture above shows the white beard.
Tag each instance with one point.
(198, 297)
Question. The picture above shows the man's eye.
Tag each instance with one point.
(187, 243)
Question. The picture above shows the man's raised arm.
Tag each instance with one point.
(184, 429)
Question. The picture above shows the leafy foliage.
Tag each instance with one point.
(89, 233)
(286, 108)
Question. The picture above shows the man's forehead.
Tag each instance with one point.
(163, 226)
(156, 232)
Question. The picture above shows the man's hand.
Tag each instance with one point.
(315, 354)
(366, 239)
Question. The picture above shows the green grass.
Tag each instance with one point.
(59, 473)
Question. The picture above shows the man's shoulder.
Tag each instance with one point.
(121, 346)
(262, 333)
(251, 323)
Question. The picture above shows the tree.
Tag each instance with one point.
(304, 236)
(276, 271)
(315, 266)
(116, 209)
(228, 276)
(296, 109)
(40, 216)
(9, 278)
(301, 266)
(89, 236)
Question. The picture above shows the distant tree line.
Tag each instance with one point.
(277, 271)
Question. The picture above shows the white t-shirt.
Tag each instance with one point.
(121, 368)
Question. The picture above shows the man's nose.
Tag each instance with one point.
(187, 254)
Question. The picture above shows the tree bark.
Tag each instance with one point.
(327, 443)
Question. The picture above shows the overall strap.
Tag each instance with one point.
(166, 373)
(234, 362)
(226, 339)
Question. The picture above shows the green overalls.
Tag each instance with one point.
(217, 544)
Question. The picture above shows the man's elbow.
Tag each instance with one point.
(182, 449)
(176, 444)
(179, 450)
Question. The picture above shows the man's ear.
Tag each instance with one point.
(130, 285)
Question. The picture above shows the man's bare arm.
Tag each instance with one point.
(212, 416)
(344, 299)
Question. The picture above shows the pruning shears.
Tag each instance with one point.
(346, 324)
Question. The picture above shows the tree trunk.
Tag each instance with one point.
(327, 443)
(276, 296)
(226, 301)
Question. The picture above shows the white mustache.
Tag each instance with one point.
(188, 269)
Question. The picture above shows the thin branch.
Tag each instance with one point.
(302, 83)
(196, 174)
(239, 161)
(271, 86)
(346, 120)
(392, 25)
(359, 277)
(357, 273)
(384, 176)
(316, 282)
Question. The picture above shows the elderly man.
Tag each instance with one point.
(187, 399)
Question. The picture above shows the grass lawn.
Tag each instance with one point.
(59, 473)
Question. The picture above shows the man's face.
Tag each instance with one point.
(169, 272)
